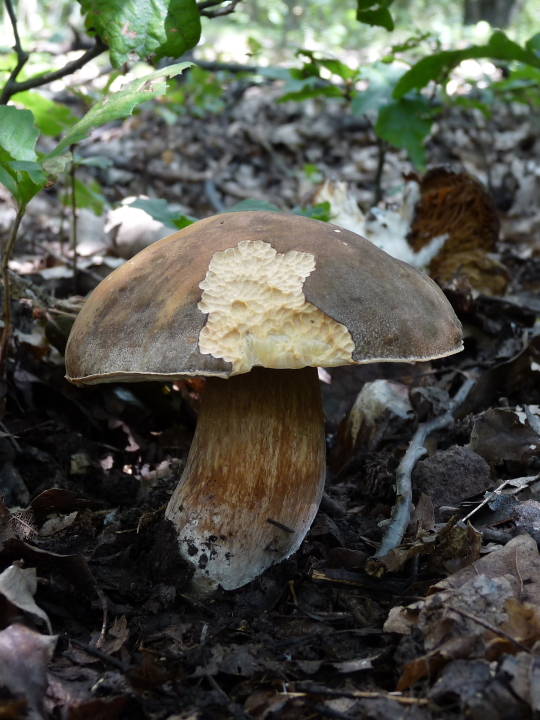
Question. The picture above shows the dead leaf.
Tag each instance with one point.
(377, 405)
(518, 559)
(524, 673)
(117, 635)
(18, 585)
(501, 434)
(24, 655)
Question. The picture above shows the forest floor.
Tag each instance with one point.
(97, 617)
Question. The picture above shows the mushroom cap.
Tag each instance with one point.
(286, 290)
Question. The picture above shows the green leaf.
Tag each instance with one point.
(119, 104)
(437, 67)
(18, 133)
(375, 12)
(380, 17)
(311, 91)
(533, 44)
(56, 166)
(160, 28)
(19, 170)
(406, 123)
(161, 211)
(382, 79)
(52, 118)
(321, 211)
(339, 68)
(253, 204)
(88, 195)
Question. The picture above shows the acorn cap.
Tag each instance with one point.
(244, 289)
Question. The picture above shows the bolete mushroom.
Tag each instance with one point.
(255, 301)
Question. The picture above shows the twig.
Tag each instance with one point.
(213, 195)
(72, 178)
(6, 255)
(401, 512)
(12, 87)
(314, 689)
(22, 55)
(104, 616)
(492, 628)
(382, 147)
(91, 650)
(489, 495)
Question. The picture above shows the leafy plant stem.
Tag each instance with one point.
(6, 255)
(73, 199)
(382, 147)
(12, 87)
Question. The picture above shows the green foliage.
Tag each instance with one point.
(402, 116)
(381, 79)
(406, 123)
(313, 173)
(161, 211)
(437, 67)
(321, 211)
(201, 93)
(120, 104)
(375, 12)
(522, 85)
(87, 195)
(20, 171)
(253, 204)
(161, 28)
(52, 118)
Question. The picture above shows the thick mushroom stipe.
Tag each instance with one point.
(254, 476)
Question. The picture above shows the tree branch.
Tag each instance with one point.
(22, 55)
(401, 512)
(13, 87)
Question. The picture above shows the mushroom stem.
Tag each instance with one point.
(254, 475)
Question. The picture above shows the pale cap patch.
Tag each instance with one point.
(258, 315)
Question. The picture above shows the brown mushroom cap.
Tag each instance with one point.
(144, 321)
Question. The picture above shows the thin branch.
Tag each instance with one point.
(204, 8)
(72, 178)
(382, 147)
(6, 256)
(215, 66)
(492, 628)
(12, 87)
(22, 55)
(401, 512)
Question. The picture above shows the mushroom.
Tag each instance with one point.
(255, 301)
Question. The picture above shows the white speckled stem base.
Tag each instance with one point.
(254, 476)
